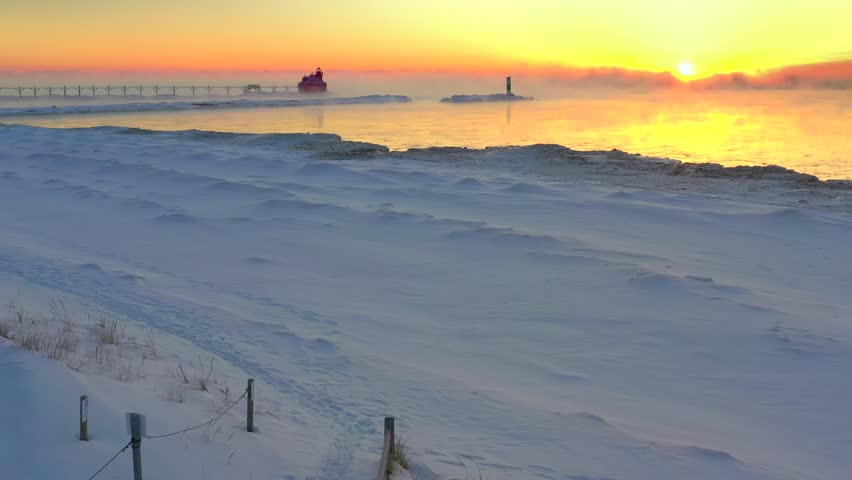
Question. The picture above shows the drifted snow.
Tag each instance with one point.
(526, 312)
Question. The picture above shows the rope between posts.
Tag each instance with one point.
(110, 460)
(189, 429)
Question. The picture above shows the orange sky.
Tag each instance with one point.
(718, 36)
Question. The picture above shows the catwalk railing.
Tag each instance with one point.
(142, 90)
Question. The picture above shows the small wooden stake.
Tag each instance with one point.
(250, 406)
(84, 418)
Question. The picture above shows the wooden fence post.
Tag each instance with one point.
(250, 406)
(390, 431)
(136, 423)
(84, 418)
(387, 449)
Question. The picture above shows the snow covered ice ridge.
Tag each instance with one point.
(154, 106)
(533, 312)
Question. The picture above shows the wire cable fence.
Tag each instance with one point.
(209, 422)
(137, 429)
(111, 459)
(246, 392)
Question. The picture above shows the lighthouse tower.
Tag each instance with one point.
(509, 86)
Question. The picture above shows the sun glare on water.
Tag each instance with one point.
(686, 69)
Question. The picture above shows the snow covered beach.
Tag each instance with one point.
(543, 312)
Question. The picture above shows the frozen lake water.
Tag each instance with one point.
(807, 131)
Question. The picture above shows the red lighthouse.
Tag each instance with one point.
(313, 83)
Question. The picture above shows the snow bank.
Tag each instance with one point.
(526, 312)
(198, 105)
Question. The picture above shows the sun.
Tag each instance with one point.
(686, 69)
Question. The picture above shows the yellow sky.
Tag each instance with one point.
(716, 36)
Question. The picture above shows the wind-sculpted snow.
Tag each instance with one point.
(502, 236)
(198, 105)
(537, 312)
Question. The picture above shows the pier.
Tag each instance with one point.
(152, 91)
